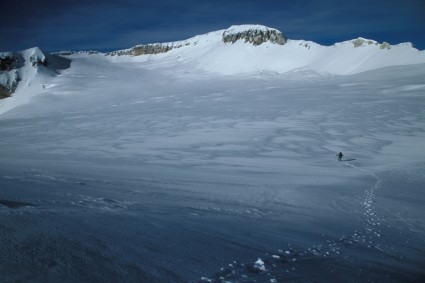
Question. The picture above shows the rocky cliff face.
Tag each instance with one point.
(148, 49)
(10, 63)
(362, 42)
(255, 36)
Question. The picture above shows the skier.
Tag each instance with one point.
(340, 155)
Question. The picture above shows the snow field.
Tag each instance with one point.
(157, 170)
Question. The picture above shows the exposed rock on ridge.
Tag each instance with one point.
(9, 75)
(255, 36)
(67, 53)
(149, 49)
(362, 42)
(9, 62)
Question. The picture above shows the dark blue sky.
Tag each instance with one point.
(107, 25)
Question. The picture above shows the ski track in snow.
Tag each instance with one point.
(275, 267)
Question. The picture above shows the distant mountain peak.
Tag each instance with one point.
(364, 42)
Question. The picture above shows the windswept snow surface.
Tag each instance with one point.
(152, 171)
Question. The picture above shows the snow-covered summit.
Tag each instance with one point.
(15, 66)
(26, 72)
(248, 27)
(252, 34)
(364, 42)
(349, 57)
(257, 48)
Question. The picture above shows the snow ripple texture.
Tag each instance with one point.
(288, 263)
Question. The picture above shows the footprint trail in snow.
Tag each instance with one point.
(289, 263)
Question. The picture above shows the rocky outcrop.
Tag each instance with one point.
(147, 49)
(362, 42)
(9, 77)
(255, 36)
(4, 92)
(39, 62)
(150, 49)
(10, 61)
(8, 86)
(68, 53)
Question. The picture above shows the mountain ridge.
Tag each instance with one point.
(240, 49)
(230, 35)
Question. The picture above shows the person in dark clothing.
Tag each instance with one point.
(340, 155)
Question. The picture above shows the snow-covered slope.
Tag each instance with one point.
(26, 73)
(237, 50)
(254, 48)
(210, 52)
(111, 172)
(159, 168)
